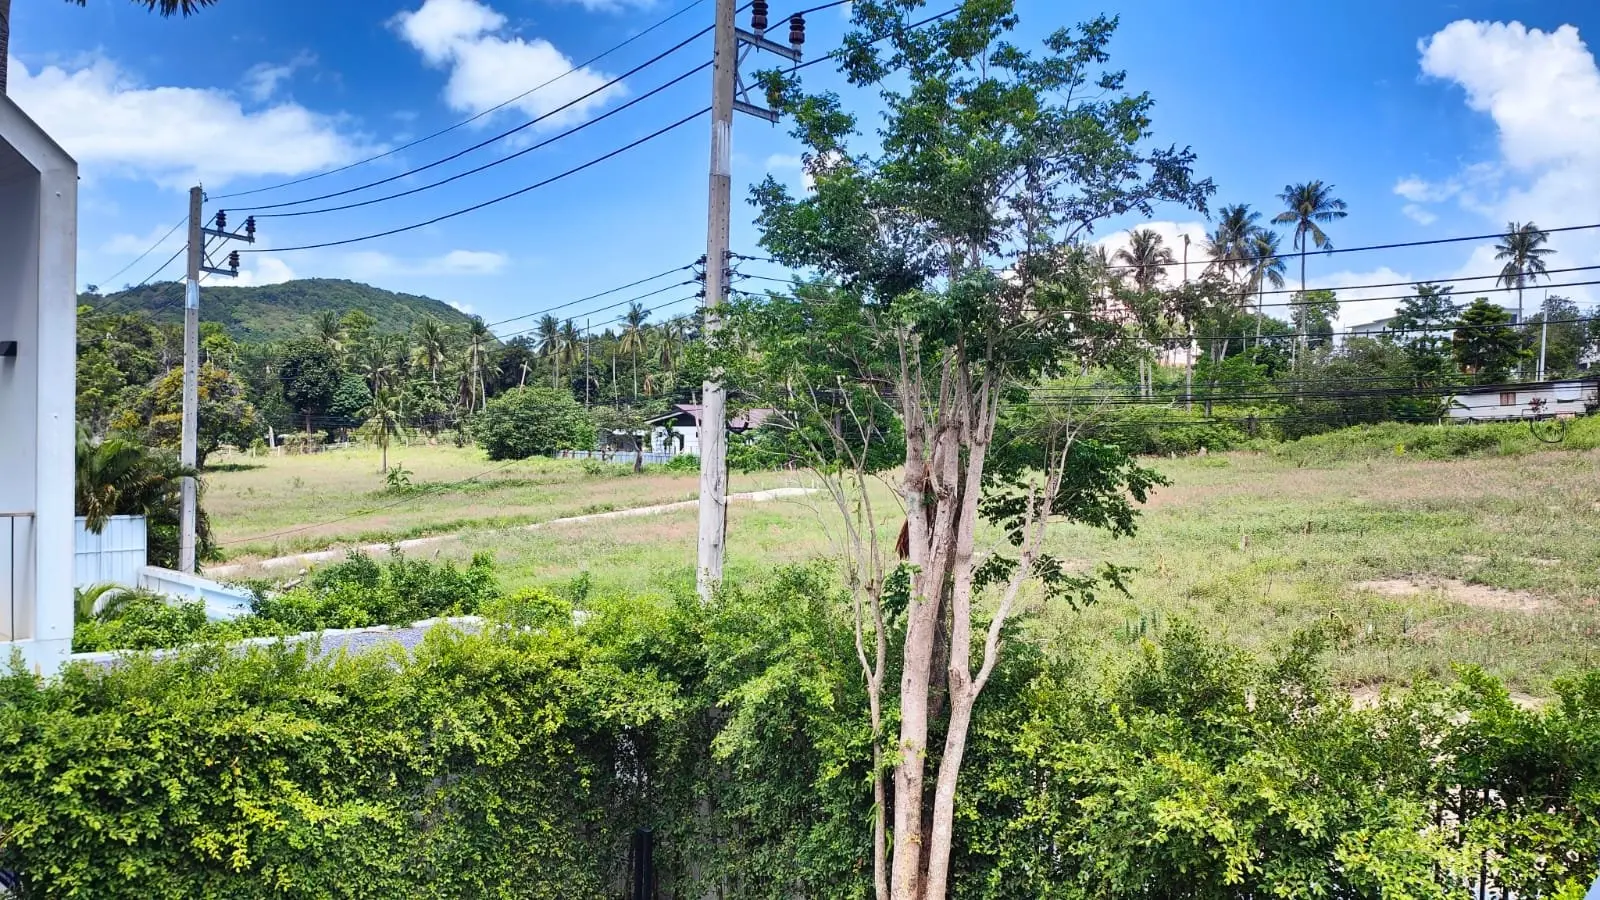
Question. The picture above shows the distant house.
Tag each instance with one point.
(1381, 327)
(1542, 399)
(678, 432)
(38, 353)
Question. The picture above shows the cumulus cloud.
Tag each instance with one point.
(262, 80)
(472, 42)
(173, 136)
(1419, 215)
(1541, 89)
(373, 264)
(260, 270)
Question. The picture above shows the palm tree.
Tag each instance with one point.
(672, 334)
(1266, 266)
(431, 347)
(1229, 245)
(118, 476)
(166, 8)
(329, 331)
(1309, 206)
(571, 345)
(383, 421)
(1523, 249)
(549, 332)
(475, 373)
(1148, 257)
(380, 362)
(633, 338)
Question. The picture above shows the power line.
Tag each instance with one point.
(500, 199)
(140, 258)
(464, 122)
(499, 137)
(540, 312)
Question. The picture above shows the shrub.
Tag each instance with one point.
(531, 421)
(688, 462)
(360, 592)
(141, 621)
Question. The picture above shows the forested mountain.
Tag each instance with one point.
(279, 311)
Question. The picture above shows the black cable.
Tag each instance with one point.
(540, 312)
(502, 160)
(499, 137)
(464, 122)
(503, 197)
(159, 241)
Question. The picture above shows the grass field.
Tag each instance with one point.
(1490, 560)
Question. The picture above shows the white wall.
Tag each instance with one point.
(19, 321)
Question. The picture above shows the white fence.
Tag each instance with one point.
(116, 554)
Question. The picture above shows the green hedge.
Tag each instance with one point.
(1437, 441)
(514, 763)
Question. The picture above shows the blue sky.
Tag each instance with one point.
(1433, 119)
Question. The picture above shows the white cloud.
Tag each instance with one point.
(262, 79)
(1541, 89)
(1419, 215)
(1419, 191)
(263, 269)
(471, 40)
(613, 6)
(459, 307)
(371, 264)
(173, 135)
(131, 245)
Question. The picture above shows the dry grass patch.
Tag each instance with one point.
(1456, 591)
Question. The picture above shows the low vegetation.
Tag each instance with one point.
(518, 761)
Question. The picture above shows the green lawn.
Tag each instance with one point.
(1492, 561)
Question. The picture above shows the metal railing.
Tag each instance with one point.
(16, 576)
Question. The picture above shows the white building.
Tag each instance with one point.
(1534, 400)
(38, 350)
(678, 432)
(1381, 327)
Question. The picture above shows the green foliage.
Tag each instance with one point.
(1162, 431)
(279, 311)
(361, 592)
(1485, 344)
(350, 399)
(226, 416)
(309, 373)
(141, 621)
(398, 480)
(689, 462)
(530, 421)
(1434, 441)
(120, 476)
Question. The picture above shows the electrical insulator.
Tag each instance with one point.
(233, 260)
(797, 30)
(250, 226)
(222, 220)
(758, 15)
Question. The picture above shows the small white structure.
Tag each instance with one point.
(120, 555)
(38, 359)
(678, 432)
(1535, 400)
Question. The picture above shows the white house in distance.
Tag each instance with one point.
(1381, 327)
(1532, 400)
(38, 354)
(678, 432)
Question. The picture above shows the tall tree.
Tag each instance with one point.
(1266, 267)
(549, 332)
(384, 420)
(633, 338)
(475, 365)
(431, 346)
(1422, 325)
(1558, 334)
(1485, 343)
(1147, 257)
(309, 373)
(165, 8)
(989, 158)
(1230, 245)
(1522, 249)
(330, 332)
(1308, 207)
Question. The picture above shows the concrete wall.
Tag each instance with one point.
(38, 309)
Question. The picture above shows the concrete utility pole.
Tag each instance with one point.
(728, 93)
(191, 380)
(189, 445)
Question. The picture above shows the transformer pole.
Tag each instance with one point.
(189, 446)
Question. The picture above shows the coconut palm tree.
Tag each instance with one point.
(1308, 207)
(165, 8)
(118, 476)
(1148, 257)
(633, 337)
(571, 345)
(1267, 266)
(549, 333)
(431, 347)
(383, 421)
(673, 335)
(329, 331)
(475, 370)
(1229, 245)
(1523, 250)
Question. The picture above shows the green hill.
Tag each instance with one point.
(276, 311)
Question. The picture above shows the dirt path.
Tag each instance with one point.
(338, 553)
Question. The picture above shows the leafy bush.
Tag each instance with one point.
(1435, 441)
(532, 421)
(361, 592)
(689, 462)
(141, 621)
(1161, 431)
